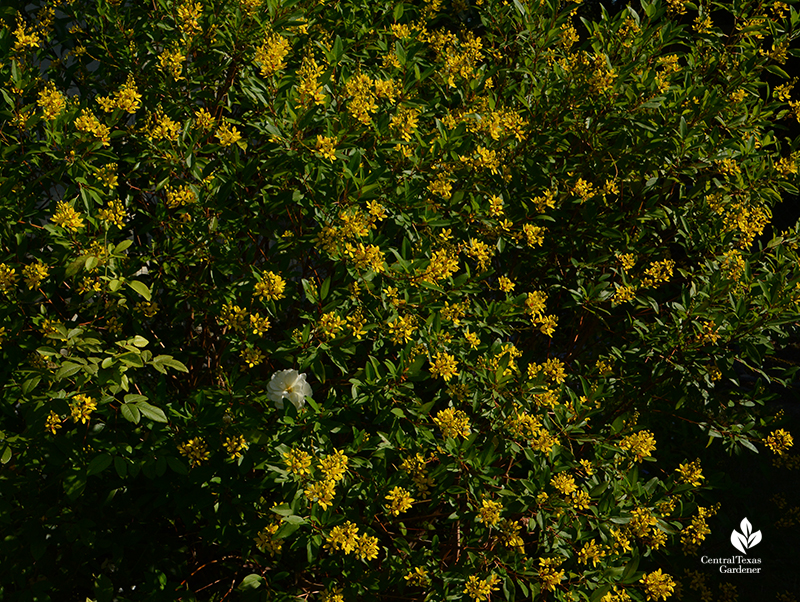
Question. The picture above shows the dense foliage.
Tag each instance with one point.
(523, 261)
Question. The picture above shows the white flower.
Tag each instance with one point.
(288, 383)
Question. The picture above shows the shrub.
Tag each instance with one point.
(523, 270)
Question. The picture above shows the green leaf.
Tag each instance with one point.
(6, 455)
(152, 412)
(67, 369)
(140, 287)
(251, 582)
(30, 384)
(99, 463)
(122, 246)
(131, 413)
(160, 362)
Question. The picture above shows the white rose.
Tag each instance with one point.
(288, 383)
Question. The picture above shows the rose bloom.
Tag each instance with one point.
(288, 383)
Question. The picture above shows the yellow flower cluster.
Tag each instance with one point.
(453, 423)
(481, 589)
(534, 234)
(89, 124)
(400, 500)
(53, 422)
(252, 357)
(266, 540)
(308, 88)
(535, 305)
(66, 217)
(524, 426)
(591, 551)
(415, 467)
(114, 214)
(235, 446)
(271, 287)
(552, 369)
(657, 585)
(509, 535)
(548, 575)
(690, 473)
(203, 119)
(404, 122)
(444, 365)
(623, 294)
(162, 127)
(234, 317)
(8, 278)
(402, 328)
(271, 54)
(693, 534)
(443, 265)
(326, 147)
(564, 483)
(365, 256)
(779, 441)
(82, 406)
(441, 186)
(297, 462)
(658, 272)
(418, 577)
(34, 274)
(258, 324)
(188, 17)
(126, 98)
(227, 133)
(461, 59)
(52, 101)
(171, 61)
(490, 512)
(483, 158)
(195, 450)
(641, 444)
(345, 538)
(177, 197)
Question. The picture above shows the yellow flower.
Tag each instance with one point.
(400, 500)
(490, 512)
(82, 406)
(564, 483)
(641, 444)
(657, 585)
(236, 445)
(266, 541)
(481, 589)
(326, 147)
(271, 287)
(66, 217)
(548, 575)
(195, 450)
(779, 441)
(690, 473)
(171, 61)
(321, 492)
(52, 101)
(271, 54)
(366, 547)
(444, 365)
(203, 119)
(53, 422)
(418, 577)
(334, 466)
(24, 38)
(34, 274)
(298, 462)
(591, 551)
(227, 133)
(8, 278)
(454, 423)
(343, 537)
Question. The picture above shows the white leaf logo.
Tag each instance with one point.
(746, 539)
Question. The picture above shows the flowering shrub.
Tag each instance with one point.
(513, 273)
